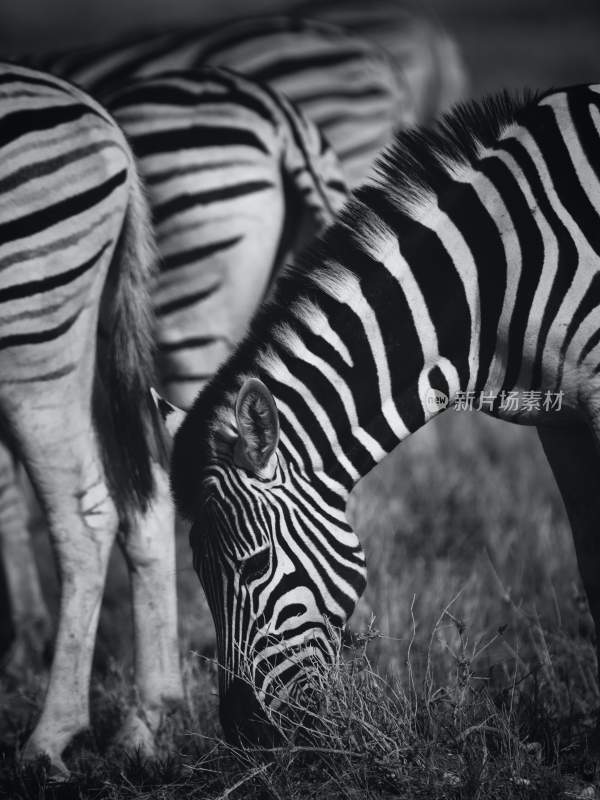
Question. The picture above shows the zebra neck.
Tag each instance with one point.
(353, 356)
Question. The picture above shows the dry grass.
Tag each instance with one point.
(480, 682)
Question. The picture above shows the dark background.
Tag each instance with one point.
(505, 42)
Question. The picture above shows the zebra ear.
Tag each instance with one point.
(258, 427)
(170, 414)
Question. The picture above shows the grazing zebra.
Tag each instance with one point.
(75, 255)
(234, 173)
(352, 91)
(467, 266)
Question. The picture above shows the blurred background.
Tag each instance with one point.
(504, 42)
(466, 511)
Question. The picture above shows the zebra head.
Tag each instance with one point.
(281, 568)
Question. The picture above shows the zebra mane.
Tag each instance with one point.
(410, 170)
(421, 159)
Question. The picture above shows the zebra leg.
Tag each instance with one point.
(149, 550)
(61, 453)
(30, 617)
(575, 460)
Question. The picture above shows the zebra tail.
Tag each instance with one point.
(315, 185)
(128, 426)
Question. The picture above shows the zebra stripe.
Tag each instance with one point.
(235, 174)
(418, 47)
(355, 95)
(75, 252)
(468, 262)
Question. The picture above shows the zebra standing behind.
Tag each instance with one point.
(468, 265)
(76, 253)
(350, 89)
(237, 180)
(418, 47)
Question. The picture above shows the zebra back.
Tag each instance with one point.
(422, 52)
(342, 83)
(237, 179)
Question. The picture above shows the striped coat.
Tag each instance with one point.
(76, 255)
(237, 180)
(348, 88)
(466, 272)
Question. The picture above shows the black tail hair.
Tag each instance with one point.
(129, 429)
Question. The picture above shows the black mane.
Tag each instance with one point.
(418, 160)
(412, 167)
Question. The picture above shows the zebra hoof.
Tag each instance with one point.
(135, 736)
(52, 764)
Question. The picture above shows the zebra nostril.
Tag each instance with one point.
(243, 718)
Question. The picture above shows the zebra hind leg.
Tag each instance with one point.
(31, 623)
(59, 446)
(149, 550)
(574, 456)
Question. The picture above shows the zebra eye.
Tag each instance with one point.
(255, 565)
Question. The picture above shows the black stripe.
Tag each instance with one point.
(482, 235)
(294, 123)
(589, 346)
(153, 178)
(589, 302)
(186, 257)
(158, 47)
(354, 93)
(567, 260)
(45, 376)
(304, 413)
(195, 137)
(57, 245)
(35, 79)
(329, 402)
(259, 30)
(65, 209)
(40, 169)
(289, 611)
(176, 378)
(436, 274)
(20, 123)
(295, 64)
(437, 380)
(38, 337)
(550, 139)
(30, 288)
(184, 302)
(189, 89)
(531, 245)
(191, 342)
(183, 202)
(337, 186)
(586, 128)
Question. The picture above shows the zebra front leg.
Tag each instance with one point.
(575, 460)
(30, 617)
(149, 549)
